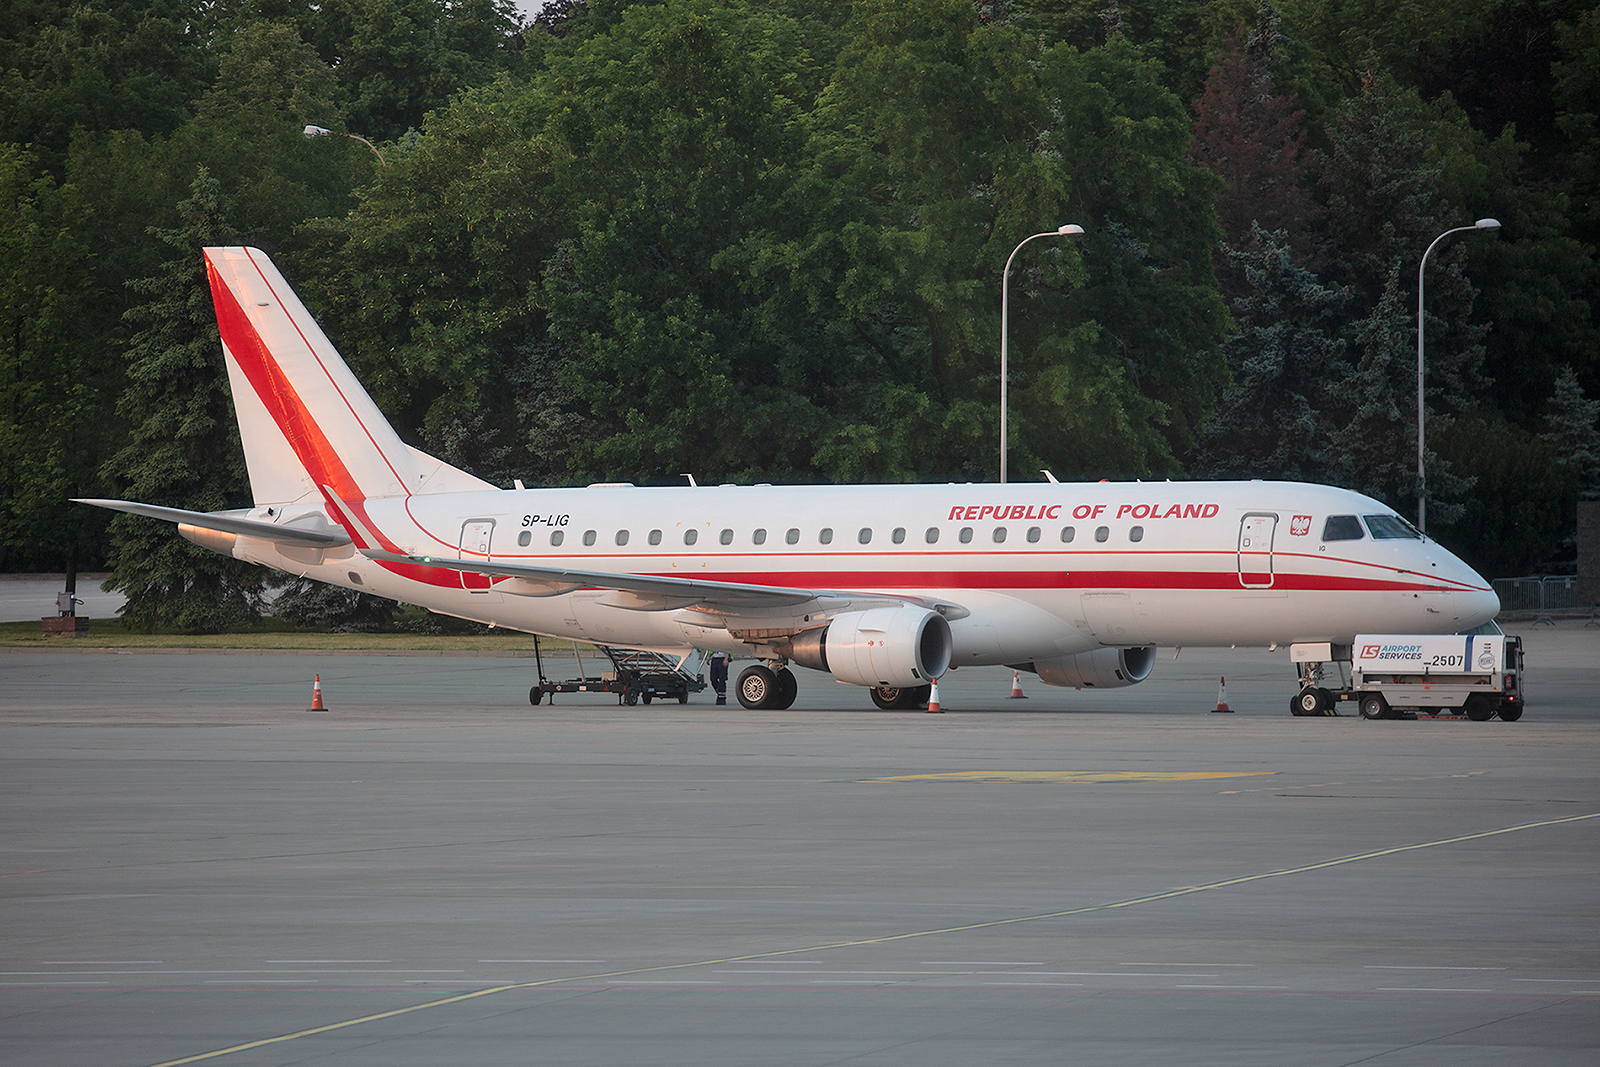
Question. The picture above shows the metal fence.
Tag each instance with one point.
(1543, 595)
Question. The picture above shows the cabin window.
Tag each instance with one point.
(1136, 533)
(826, 536)
(1102, 533)
(1391, 528)
(999, 535)
(792, 537)
(588, 537)
(1033, 535)
(622, 538)
(655, 537)
(966, 535)
(556, 537)
(864, 535)
(1067, 534)
(932, 536)
(525, 538)
(759, 537)
(1342, 528)
(691, 535)
(727, 537)
(899, 535)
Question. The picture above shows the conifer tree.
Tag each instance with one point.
(1253, 138)
(1573, 428)
(184, 451)
(1274, 420)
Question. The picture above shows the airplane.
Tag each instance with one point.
(881, 586)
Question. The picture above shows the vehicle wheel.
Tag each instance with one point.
(683, 697)
(887, 697)
(535, 695)
(757, 686)
(1373, 706)
(1310, 702)
(630, 697)
(646, 696)
(787, 689)
(1510, 711)
(1479, 708)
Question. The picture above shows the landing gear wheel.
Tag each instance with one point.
(787, 689)
(1479, 708)
(1309, 702)
(1373, 706)
(757, 687)
(888, 697)
(535, 695)
(900, 698)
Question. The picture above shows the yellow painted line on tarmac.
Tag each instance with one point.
(887, 939)
(1027, 777)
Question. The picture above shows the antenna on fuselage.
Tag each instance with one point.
(1050, 476)
(692, 483)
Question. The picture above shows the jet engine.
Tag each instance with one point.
(1104, 668)
(899, 647)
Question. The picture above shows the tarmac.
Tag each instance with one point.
(196, 868)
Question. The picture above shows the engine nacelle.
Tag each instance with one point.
(881, 646)
(1104, 668)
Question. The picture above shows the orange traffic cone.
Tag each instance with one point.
(1222, 696)
(316, 695)
(933, 700)
(1016, 687)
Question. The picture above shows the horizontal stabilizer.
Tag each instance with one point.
(283, 535)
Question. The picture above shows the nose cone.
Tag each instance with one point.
(1470, 600)
(1477, 607)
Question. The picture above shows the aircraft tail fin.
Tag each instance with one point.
(305, 420)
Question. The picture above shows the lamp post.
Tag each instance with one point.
(323, 131)
(1068, 230)
(1422, 470)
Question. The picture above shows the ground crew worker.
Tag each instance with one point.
(719, 675)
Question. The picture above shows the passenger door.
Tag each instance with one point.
(1256, 530)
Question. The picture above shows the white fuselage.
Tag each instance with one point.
(1036, 570)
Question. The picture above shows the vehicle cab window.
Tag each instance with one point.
(1342, 528)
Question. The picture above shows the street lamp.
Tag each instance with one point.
(323, 131)
(1422, 472)
(1068, 230)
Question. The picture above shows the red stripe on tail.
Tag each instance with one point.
(316, 453)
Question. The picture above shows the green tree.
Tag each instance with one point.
(52, 399)
(397, 60)
(184, 450)
(1274, 419)
(98, 66)
(1573, 432)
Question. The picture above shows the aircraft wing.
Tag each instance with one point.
(291, 535)
(649, 592)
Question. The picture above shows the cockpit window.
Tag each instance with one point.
(1342, 528)
(1391, 528)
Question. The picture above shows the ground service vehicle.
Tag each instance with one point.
(1478, 675)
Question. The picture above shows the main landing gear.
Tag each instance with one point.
(893, 698)
(760, 688)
